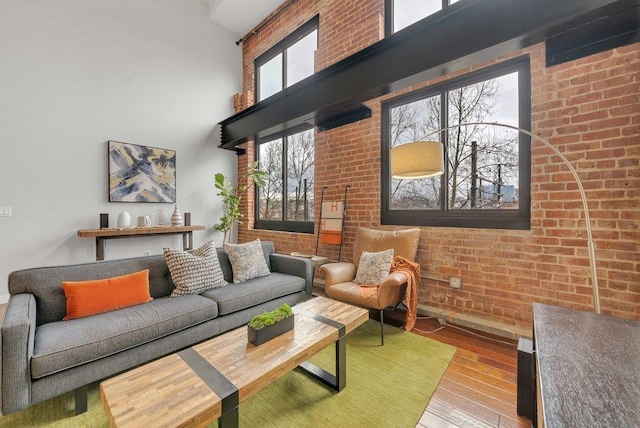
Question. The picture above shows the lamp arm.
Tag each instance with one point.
(591, 244)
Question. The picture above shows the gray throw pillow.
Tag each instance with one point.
(374, 267)
(247, 260)
(195, 272)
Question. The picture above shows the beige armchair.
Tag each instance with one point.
(339, 277)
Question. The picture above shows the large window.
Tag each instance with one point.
(402, 13)
(288, 62)
(486, 182)
(286, 202)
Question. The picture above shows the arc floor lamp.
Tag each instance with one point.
(423, 159)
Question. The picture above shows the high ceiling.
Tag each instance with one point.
(240, 16)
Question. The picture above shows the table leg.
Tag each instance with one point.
(337, 381)
(99, 248)
(341, 363)
(229, 420)
(187, 241)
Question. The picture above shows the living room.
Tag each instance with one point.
(77, 74)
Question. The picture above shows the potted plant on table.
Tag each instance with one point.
(231, 196)
(268, 325)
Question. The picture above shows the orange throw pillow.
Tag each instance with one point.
(86, 298)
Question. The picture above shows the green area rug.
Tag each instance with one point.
(387, 385)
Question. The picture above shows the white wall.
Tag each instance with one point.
(77, 73)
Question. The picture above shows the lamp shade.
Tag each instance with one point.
(420, 159)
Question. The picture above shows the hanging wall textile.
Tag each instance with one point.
(331, 225)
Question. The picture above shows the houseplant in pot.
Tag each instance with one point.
(268, 325)
(231, 196)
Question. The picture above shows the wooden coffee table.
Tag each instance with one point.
(208, 381)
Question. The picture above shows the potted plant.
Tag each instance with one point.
(268, 325)
(231, 196)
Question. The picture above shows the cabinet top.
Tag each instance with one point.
(588, 367)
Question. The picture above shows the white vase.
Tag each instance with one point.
(124, 220)
(176, 217)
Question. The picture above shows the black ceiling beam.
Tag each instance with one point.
(594, 33)
(462, 35)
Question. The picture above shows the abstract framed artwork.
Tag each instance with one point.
(141, 173)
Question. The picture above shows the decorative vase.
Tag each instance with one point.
(176, 217)
(144, 221)
(160, 217)
(124, 220)
(258, 337)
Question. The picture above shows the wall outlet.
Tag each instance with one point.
(5, 212)
(455, 282)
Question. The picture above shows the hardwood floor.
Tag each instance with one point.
(479, 387)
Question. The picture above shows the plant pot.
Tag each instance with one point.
(258, 337)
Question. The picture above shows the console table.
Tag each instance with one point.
(587, 368)
(102, 235)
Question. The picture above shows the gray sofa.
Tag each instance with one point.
(43, 356)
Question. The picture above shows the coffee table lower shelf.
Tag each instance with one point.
(208, 381)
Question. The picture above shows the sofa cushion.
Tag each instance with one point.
(65, 344)
(194, 272)
(247, 260)
(252, 292)
(86, 298)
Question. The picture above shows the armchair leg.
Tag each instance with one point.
(381, 327)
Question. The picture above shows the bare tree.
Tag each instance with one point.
(299, 177)
(271, 194)
(413, 122)
(300, 169)
(480, 161)
(473, 103)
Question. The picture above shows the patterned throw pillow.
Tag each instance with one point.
(374, 267)
(195, 272)
(247, 260)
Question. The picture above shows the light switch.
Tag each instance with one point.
(5, 211)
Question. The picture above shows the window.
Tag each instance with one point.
(286, 201)
(288, 62)
(402, 13)
(486, 182)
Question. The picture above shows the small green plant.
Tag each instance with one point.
(270, 318)
(231, 196)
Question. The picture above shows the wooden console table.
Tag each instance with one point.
(587, 368)
(102, 235)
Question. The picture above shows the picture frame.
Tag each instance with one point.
(141, 173)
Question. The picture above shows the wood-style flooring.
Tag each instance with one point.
(479, 387)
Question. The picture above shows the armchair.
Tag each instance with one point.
(339, 277)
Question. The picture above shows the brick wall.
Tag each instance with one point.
(589, 109)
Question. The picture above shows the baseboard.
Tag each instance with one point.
(476, 323)
(4, 298)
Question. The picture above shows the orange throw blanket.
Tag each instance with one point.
(411, 270)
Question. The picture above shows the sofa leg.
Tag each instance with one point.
(381, 327)
(81, 399)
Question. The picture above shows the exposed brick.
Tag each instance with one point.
(588, 108)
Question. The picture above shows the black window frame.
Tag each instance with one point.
(519, 219)
(281, 48)
(389, 12)
(283, 225)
